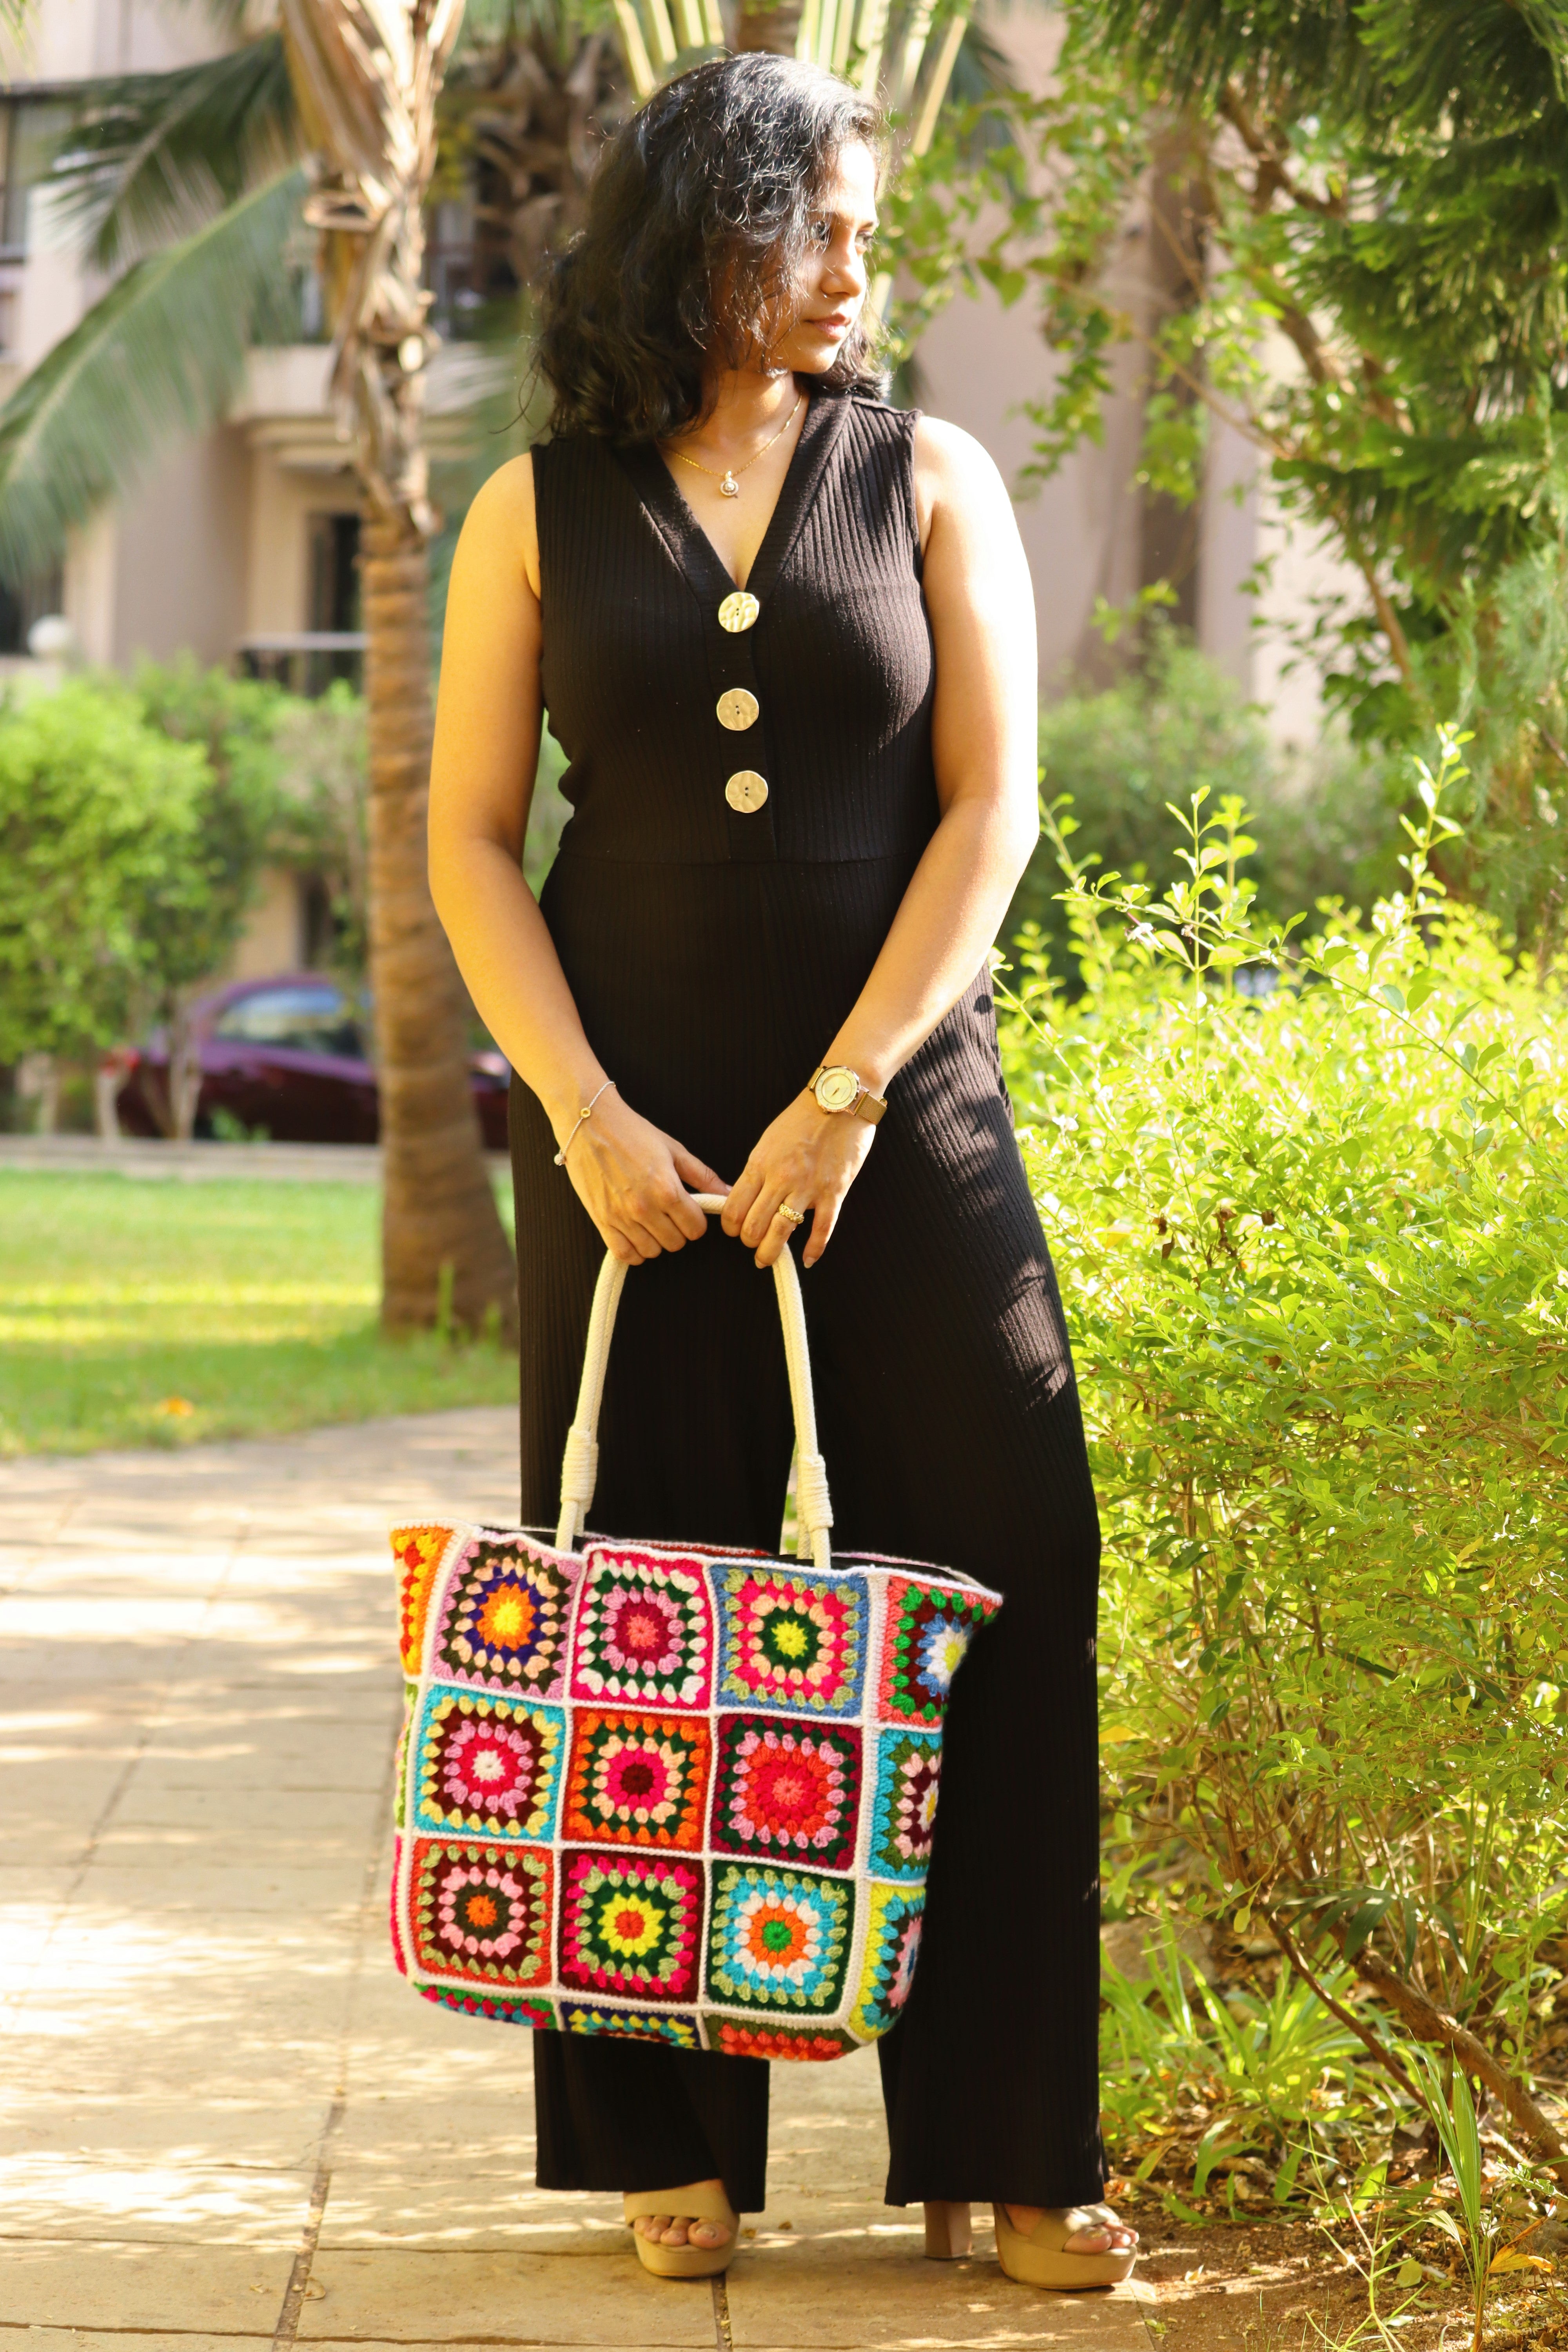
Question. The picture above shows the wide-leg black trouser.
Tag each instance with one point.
(950, 1423)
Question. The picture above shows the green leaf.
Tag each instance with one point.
(148, 157)
(162, 352)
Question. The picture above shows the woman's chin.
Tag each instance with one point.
(812, 354)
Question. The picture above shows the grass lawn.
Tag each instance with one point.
(138, 1312)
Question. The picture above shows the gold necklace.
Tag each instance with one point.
(729, 488)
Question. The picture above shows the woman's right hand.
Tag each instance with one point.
(637, 1182)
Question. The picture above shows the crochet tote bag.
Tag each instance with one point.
(671, 1791)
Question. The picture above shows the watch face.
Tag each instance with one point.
(837, 1089)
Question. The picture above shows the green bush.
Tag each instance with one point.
(1310, 1206)
(1176, 724)
(100, 833)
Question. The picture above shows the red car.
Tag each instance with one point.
(289, 1057)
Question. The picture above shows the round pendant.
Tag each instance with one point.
(729, 488)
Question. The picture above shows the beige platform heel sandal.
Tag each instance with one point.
(1041, 2259)
(697, 2202)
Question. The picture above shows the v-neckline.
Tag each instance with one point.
(705, 569)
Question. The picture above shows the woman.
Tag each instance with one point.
(785, 635)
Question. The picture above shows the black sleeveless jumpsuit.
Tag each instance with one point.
(712, 953)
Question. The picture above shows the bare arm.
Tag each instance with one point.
(985, 722)
(632, 1178)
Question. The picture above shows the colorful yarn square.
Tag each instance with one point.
(909, 1771)
(481, 1912)
(634, 2025)
(760, 2040)
(638, 1779)
(417, 1551)
(792, 1641)
(892, 1941)
(780, 1938)
(787, 1790)
(491, 1766)
(631, 1924)
(505, 1621)
(928, 1632)
(644, 1632)
(499, 2007)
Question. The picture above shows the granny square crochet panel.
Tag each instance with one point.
(678, 1794)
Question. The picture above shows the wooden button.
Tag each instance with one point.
(746, 790)
(738, 710)
(738, 611)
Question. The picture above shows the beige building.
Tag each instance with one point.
(240, 546)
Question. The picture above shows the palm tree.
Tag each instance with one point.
(366, 75)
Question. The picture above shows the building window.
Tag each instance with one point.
(332, 595)
(332, 644)
(13, 182)
(22, 601)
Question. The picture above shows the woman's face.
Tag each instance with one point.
(831, 286)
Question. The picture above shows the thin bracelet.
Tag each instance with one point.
(581, 1120)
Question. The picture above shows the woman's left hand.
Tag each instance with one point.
(807, 1160)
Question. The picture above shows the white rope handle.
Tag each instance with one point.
(580, 1464)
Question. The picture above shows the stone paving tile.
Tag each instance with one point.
(43, 2339)
(857, 2284)
(50, 2193)
(452, 2296)
(118, 2283)
(213, 2069)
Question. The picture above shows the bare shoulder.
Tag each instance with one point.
(955, 475)
(500, 522)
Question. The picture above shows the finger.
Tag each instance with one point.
(738, 1206)
(697, 1172)
(650, 1218)
(779, 1232)
(680, 1206)
(824, 1217)
(758, 1220)
(669, 1228)
(641, 1244)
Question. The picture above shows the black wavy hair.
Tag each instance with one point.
(700, 215)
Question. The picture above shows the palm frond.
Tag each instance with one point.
(148, 157)
(162, 354)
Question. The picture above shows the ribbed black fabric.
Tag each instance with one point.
(710, 977)
(634, 658)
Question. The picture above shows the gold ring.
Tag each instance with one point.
(796, 1216)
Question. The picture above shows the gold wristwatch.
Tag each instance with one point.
(838, 1088)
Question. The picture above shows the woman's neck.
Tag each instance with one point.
(747, 406)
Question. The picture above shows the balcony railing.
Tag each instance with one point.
(305, 660)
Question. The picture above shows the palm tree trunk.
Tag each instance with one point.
(366, 76)
(443, 1246)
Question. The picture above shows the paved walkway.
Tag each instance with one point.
(227, 2122)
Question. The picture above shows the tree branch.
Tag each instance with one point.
(1273, 170)
(1428, 2023)
(1348, 2017)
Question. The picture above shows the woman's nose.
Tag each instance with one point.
(846, 271)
